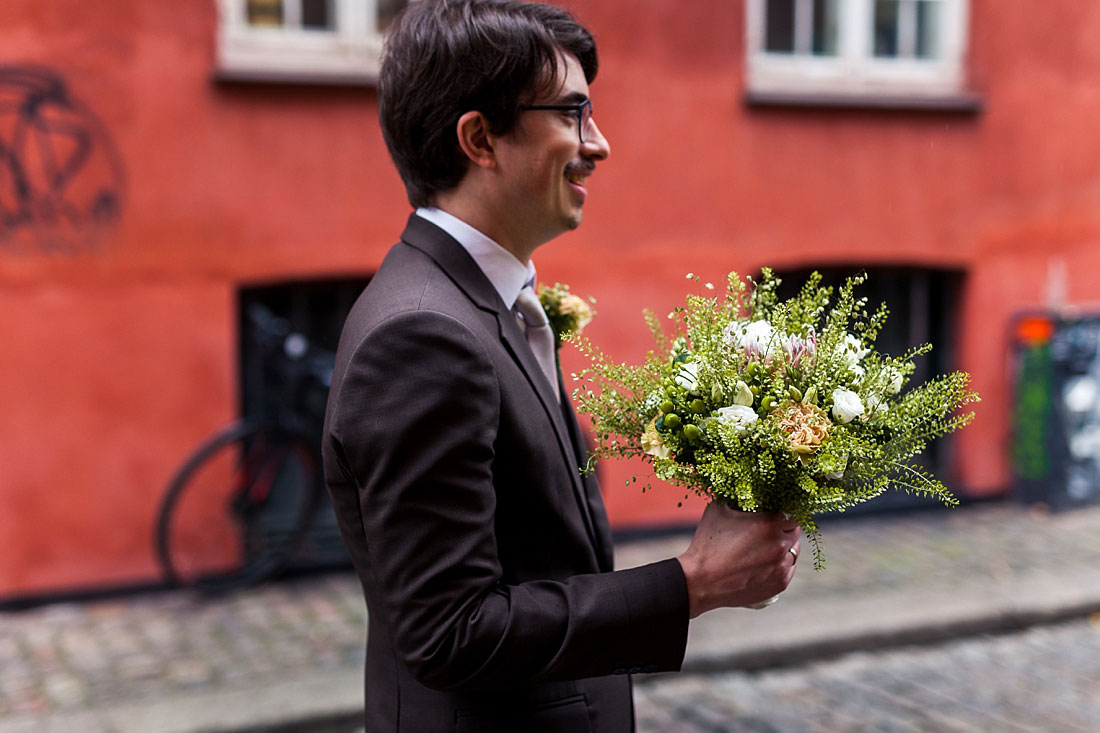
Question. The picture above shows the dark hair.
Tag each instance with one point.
(444, 58)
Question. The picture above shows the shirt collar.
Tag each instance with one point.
(506, 274)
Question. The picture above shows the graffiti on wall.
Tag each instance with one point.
(61, 178)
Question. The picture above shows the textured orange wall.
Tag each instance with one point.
(699, 182)
(117, 360)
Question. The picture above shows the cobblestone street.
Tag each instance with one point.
(1042, 679)
(831, 656)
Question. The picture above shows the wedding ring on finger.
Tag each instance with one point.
(794, 552)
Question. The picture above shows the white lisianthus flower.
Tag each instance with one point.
(853, 351)
(888, 382)
(737, 416)
(687, 375)
(743, 395)
(876, 404)
(847, 405)
(893, 379)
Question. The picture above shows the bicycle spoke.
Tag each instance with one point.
(237, 509)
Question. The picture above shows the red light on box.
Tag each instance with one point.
(1034, 330)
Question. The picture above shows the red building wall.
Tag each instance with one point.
(121, 354)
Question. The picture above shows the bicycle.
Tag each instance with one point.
(238, 509)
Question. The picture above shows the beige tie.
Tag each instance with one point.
(539, 335)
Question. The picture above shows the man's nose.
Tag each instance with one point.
(595, 145)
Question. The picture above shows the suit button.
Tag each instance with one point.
(635, 670)
(618, 670)
(649, 668)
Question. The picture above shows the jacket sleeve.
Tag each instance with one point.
(417, 413)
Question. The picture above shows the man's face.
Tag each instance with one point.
(545, 165)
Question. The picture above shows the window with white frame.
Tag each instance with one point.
(856, 49)
(333, 41)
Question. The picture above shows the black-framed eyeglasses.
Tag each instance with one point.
(583, 111)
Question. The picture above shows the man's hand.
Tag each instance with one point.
(738, 558)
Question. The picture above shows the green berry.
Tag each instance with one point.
(672, 421)
(691, 432)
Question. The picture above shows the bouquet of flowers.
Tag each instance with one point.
(774, 405)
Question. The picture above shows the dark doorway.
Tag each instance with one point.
(924, 306)
(273, 381)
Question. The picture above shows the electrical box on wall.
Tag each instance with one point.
(1055, 445)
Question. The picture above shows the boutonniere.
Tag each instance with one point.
(567, 313)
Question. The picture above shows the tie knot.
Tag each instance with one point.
(528, 306)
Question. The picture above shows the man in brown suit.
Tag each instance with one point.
(452, 454)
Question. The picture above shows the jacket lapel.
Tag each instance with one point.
(461, 268)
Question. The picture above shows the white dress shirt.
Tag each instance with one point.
(507, 274)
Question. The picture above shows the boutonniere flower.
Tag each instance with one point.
(568, 313)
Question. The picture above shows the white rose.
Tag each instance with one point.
(737, 416)
(743, 395)
(687, 375)
(847, 405)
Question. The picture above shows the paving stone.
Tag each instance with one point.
(64, 690)
(1040, 679)
(71, 657)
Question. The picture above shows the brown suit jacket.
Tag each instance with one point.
(484, 555)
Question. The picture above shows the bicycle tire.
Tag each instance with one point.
(238, 508)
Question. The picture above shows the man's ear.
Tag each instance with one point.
(475, 140)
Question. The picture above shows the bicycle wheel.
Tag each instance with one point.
(238, 508)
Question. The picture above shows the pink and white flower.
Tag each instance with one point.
(761, 341)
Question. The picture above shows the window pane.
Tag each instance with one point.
(779, 31)
(265, 12)
(825, 27)
(387, 11)
(929, 13)
(886, 28)
(317, 14)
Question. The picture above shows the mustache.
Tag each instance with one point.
(584, 168)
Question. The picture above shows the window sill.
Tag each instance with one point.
(960, 102)
(296, 78)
